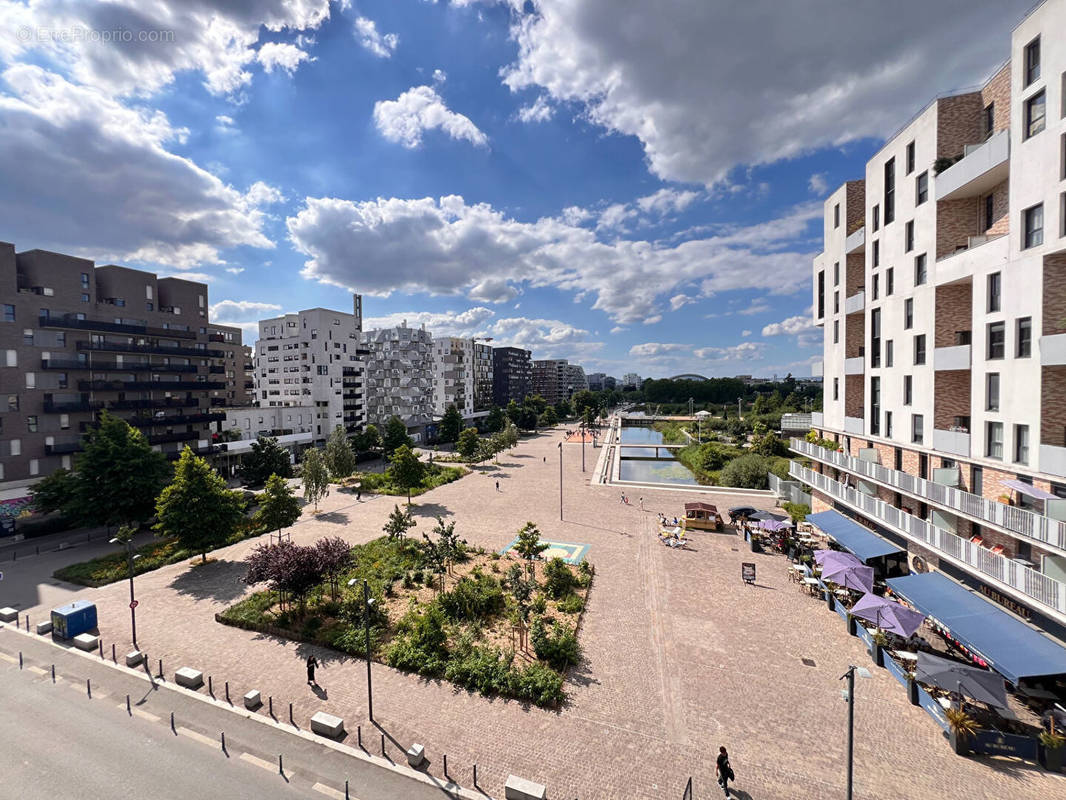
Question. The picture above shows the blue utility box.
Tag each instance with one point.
(74, 619)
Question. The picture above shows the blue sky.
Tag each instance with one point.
(633, 186)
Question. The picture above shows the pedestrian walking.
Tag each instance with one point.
(723, 770)
(497, 486)
(623, 500)
(642, 504)
(312, 662)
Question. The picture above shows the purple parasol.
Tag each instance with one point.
(773, 524)
(888, 615)
(849, 576)
(835, 558)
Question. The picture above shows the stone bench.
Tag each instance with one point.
(87, 642)
(416, 755)
(44, 627)
(8, 615)
(520, 789)
(189, 678)
(327, 725)
(253, 700)
(134, 658)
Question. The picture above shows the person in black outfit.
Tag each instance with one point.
(312, 662)
(723, 770)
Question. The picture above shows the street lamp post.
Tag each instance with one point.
(560, 481)
(850, 692)
(367, 603)
(584, 430)
(130, 558)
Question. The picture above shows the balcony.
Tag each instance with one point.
(70, 407)
(1020, 581)
(1053, 459)
(984, 167)
(856, 242)
(855, 366)
(1049, 532)
(954, 442)
(154, 349)
(855, 303)
(63, 363)
(950, 358)
(160, 402)
(216, 337)
(817, 418)
(216, 369)
(111, 327)
(180, 419)
(161, 386)
(855, 425)
(979, 256)
(817, 369)
(1053, 350)
(62, 448)
(180, 436)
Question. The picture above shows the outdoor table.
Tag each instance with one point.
(905, 655)
(811, 583)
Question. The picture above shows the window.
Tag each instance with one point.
(1024, 348)
(910, 158)
(149, 307)
(890, 282)
(877, 218)
(920, 274)
(836, 215)
(917, 428)
(877, 254)
(31, 423)
(876, 282)
(836, 331)
(921, 188)
(27, 336)
(996, 337)
(85, 280)
(9, 312)
(12, 402)
(35, 466)
(1033, 225)
(836, 388)
(836, 302)
(992, 391)
(908, 237)
(908, 390)
(888, 353)
(821, 293)
(1035, 108)
(12, 358)
(1021, 444)
(990, 211)
(888, 424)
(919, 349)
(908, 313)
(989, 119)
(875, 406)
(16, 447)
(890, 191)
(977, 480)
(875, 338)
(61, 339)
(1032, 62)
(85, 298)
(836, 273)
(993, 292)
(994, 439)
(64, 421)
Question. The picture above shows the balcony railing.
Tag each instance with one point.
(180, 436)
(63, 363)
(155, 349)
(181, 419)
(855, 303)
(111, 327)
(62, 448)
(159, 402)
(69, 406)
(1034, 585)
(1050, 532)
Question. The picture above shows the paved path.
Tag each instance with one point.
(680, 657)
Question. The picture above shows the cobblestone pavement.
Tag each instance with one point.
(680, 657)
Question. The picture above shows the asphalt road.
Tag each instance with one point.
(59, 742)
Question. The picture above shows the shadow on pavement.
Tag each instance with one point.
(217, 580)
(429, 510)
(336, 517)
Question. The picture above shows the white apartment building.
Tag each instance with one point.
(632, 380)
(453, 375)
(314, 358)
(941, 291)
(400, 375)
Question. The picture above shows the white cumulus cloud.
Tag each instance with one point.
(540, 111)
(790, 326)
(419, 109)
(366, 33)
(242, 310)
(281, 55)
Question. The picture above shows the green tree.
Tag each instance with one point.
(398, 524)
(340, 458)
(510, 434)
(395, 437)
(588, 416)
(451, 424)
(370, 439)
(749, 471)
(468, 444)
(55, 492)
(406, 469)
(315, 477)
(278, 506)
(118, 475)
(584, 400)
(514, 413)
(266, 458)
(529, 546)
(563, 409)
(549, 417)
(452, 547)
(196, 507)
(496, 419)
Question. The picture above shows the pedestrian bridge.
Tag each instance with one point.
(650, 445)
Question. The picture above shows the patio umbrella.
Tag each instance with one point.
(836, 558)
(849, 576)
(761, 515)
(888, 615)
(773, 524)
(982, 685)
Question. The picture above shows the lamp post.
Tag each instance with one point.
(127, 540)
(560, 481)
(583, 432)
(850, 697)
(367, 603)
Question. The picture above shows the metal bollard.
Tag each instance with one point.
(281, 768)
(210, 686)
(20, 659)
(129, 710)
(100, 643)
(88, 688)
(346, 789)
(113, 657)
(271, 704)
(161, 670)
(53, 673)
(27, 623)
(359, 734)
(223, 741)
(172, 722)
(383, 746)
(291, 720)
(475, 776)
(445, 765)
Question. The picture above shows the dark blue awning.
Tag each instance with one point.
(852, 536)
(1010, 647)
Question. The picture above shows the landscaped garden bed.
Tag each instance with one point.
(495, 624)
(433, 475)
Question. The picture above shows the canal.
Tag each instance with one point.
(641, 464)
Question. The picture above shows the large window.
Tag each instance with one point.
(994, 439)
(920, 273)
(875, 338)
(1035, 110)
(994, 292)
(910, 158)
(1024, 337)
(919, 349)
(996, 337)
(1033, 225)
(875, 406)
(1032, 61)
(990, 119)
(908, 313)
(921, 188)
(992, 391)
(890, 191)
(908, 390)
(1021, 444)
(917, 428)
(908, 237)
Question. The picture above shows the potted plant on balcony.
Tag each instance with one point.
(1052, 749)
(962, 728)
(878, 645)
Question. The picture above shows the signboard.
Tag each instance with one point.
(994, 743)
(134, 603)
(747, 572)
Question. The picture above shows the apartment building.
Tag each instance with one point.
(512, 375)
(77, 339)
(462, 375)
(238, 365)
(483, 376)
(314, 358)
(572, 379)
(941, 292)
(547, 379)
(631, 381)
(400, 376)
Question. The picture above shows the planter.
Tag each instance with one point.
(830, 600)
(877, 653)
(853, 626)
(912, 692)
(1052, 759)
(960, 744)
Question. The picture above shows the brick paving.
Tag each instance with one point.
(680, 657)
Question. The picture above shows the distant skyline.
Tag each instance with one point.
(633, 187)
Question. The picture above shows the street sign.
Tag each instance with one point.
(747, 572)
(133, 603)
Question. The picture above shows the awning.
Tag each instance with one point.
(1010, 647)
(1029, 489)
(852, 536)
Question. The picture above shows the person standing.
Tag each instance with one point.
(497, 486)
(642, 504)
(723, 770)
(312, 662)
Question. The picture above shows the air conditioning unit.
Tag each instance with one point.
(919, 564)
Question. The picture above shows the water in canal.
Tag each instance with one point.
(663, 469)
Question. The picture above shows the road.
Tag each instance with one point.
(59, 742)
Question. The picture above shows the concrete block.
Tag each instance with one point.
(520, 789)
(134, 657)
(44, 627)
(8, 615)
(189, 678)
(253, 700)
(87, 642)
(327, 725)
(416, 755)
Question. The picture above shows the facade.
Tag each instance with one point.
(453, 375)
(400, 375)
(632, 381)
(597, 381)
(572, 379)
(483, 377)
(941, 291)
(512, 375)
(314, 358)
(547, 379)
(238, 365)
(77, 339)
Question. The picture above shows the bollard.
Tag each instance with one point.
(227, 694)
(271, 700)
(291, 720)
(210, 686)
(53, 673)
(129, 710)
(172, 722)
(223, 741)
(383, 746)
(88, 689)
(359, 735)
(100, 643)
(113, 658)
(475, 776)
(281, 768)
(20, 659)
(161, 670)
(27, 623)
(445, 765)
(346, 789)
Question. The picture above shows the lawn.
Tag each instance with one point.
(484, 624)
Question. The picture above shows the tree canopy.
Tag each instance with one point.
(468, 444)
(266, 458)
(496, 420)
(315, 477)
(340, 458)
(451, 424)
(398, 524)
(406, 469)
(278, 506)
(529, 545)
(395, 437)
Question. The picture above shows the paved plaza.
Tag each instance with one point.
(680, 657)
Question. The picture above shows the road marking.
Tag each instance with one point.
(8, 659)
(142, 714)
(328, 791)
(270, 766)
(199, 737)
(36, 670)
